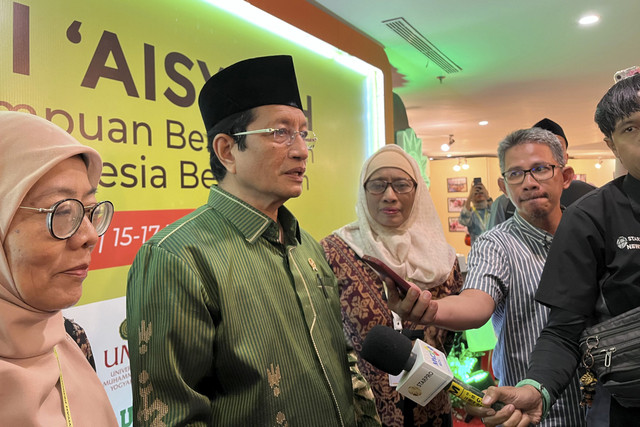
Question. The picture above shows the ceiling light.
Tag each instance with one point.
(483, 123)
(588, 19)
(598, 164)
(462, 164)
(447, 145)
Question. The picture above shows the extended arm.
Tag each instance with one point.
(484, 286)
(469, 310)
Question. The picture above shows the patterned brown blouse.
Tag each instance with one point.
(364, 306)
(77, 333)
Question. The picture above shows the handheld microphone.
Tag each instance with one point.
(425, 370)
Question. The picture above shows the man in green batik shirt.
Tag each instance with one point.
(233, 313)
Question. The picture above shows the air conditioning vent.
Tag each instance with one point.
(405, 30)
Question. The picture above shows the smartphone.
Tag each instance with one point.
(477, 181)
(384, 270)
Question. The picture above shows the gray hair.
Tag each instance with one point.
(534, 136)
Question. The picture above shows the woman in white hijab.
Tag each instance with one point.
(49, 224)
(397, 223)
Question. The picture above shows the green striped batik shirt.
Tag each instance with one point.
(229, 327)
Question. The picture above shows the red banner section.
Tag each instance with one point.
(128, 231)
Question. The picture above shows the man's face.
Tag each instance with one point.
(625, 143)
(268, 173)
(534, 200)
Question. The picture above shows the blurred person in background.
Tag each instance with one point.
(476, 212)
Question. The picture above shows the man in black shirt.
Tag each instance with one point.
(592, 273)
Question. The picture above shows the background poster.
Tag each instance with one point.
(123, 77)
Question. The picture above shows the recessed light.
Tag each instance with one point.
(588, 19)
(483, 123)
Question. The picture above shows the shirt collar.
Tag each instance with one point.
(252, 223)
(531, 231)
(631, 187)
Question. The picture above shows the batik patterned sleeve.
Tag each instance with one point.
(170, 340)
(363, 401)
(79, 335)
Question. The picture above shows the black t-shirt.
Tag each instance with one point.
(574, 191)
(596, 249)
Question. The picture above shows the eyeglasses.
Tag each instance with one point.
(539, 173)
(379, 186)
(64, 217)
(285, 136)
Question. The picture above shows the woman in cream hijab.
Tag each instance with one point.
(45, 379)
(397, 223)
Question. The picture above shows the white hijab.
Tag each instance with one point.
(30, 392)
(417, 249)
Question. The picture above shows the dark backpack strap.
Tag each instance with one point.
(509, 210)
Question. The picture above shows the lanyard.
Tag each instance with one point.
(483, 221)
(65, 400)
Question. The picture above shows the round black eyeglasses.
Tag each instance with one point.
(64, 217)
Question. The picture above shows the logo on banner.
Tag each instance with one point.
(123, 330)
(116, 360)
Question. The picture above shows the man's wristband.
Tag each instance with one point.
(546, 398)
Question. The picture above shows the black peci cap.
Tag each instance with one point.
(247, 84)
(551, 126)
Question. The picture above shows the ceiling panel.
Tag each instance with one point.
(520, 61)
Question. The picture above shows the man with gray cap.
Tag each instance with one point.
(233, 313)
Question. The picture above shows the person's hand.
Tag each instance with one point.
(480, 188)
(523, 406)
(483, 412)
(472, 191)
(416, 306)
